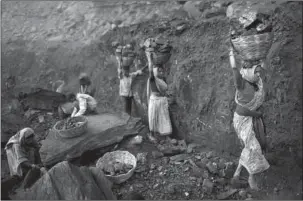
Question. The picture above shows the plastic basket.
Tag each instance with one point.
(119, 156)
(253, 47)
(73, 132)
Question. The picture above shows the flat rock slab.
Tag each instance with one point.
(103, 130)
(68, 182)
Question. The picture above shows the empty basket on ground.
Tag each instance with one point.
(118, 156)
(72, 132)
(253, 47)
(161, 58)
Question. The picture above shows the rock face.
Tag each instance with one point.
(66, 181)
(56, 40)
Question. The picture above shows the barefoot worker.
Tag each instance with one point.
(158, 114)
(126, 80)
(23, 158)
(247, 120)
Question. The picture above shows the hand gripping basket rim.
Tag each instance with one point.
(253, 47)
(73, 132)
(113, 155)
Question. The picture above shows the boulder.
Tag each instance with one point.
(68, 182)
(103, 131)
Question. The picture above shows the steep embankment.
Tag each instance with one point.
(44, 41)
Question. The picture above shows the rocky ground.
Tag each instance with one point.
(52, 41)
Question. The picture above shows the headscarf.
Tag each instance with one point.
(249, 74)
(20, 137)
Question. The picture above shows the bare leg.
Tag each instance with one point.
(235, 182)
(252, 182)
(238, 171)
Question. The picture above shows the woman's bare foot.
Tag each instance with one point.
(253, 183)
(151, 138)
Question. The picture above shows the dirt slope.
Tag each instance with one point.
(58, 40)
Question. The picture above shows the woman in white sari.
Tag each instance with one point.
(248, 121)
(158, 114)
(23, 158)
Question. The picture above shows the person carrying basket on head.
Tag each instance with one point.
(126, 78)
(158, 113)
(248, 121)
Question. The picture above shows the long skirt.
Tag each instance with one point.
(158, 115)
(251, 157)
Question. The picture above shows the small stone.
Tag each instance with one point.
(197, 172)
(225, 195)
(276, 189)
(139, 185)
(178, 158)
(141, 157)
(186, 169)
(182, 143)
(207, 186)
(160, 168)
(203, 162)
(157, 154)
(205, 174)
(155, 186)
(242, 193)
(221, 181)
(171, 188)
(136, 140)
(212, 168)
(209, 154)
(173, 141)
(198, 157)
(193, 178)
(165, 160)
(152, 166)
(41, 118)
(189, 150)
(161, 173)
(186, 194)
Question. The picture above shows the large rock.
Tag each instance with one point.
(103, 131)
(68, 182)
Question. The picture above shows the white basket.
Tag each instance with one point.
(118, 156)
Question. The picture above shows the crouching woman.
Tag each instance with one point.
(23, 157)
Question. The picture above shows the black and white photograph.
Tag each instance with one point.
(151, 100)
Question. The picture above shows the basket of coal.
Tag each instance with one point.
(71, 127)
(118, 166)
(251, 35)
(161, 50)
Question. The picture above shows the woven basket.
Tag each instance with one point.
(254, 47)
(119, 156)
(73, 132)
(127, 61)
(161, 58)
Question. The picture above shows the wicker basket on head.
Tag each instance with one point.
(160, 58)
(119, 156)
(73, 132)
(253, 47)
